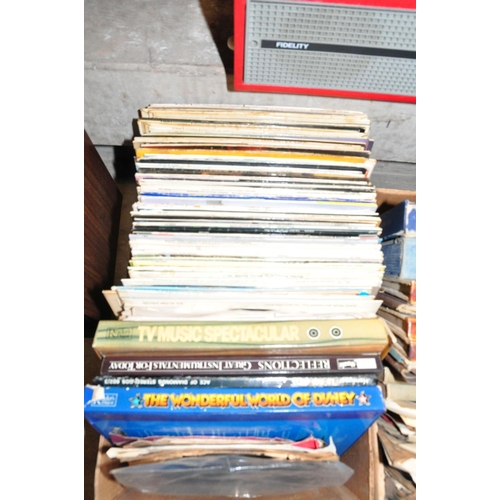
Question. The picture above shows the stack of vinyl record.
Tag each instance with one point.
(247, 326)
(397, 427)
(252, 213)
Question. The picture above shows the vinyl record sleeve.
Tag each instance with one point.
(246, 366)
(343, 414)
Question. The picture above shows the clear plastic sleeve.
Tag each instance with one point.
(235, 476)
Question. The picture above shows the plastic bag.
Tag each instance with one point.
(236, 476)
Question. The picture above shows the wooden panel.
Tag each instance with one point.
(102, 218)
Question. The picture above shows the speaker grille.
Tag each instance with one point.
(330, 46)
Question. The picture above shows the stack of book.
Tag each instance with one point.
(397, 428)
(249, 312)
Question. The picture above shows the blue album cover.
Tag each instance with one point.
(400, 258)
(342, 413)
(400, 220)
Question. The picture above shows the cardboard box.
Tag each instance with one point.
(367, 482)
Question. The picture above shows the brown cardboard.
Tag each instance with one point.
(388, 198)
(362, 457)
